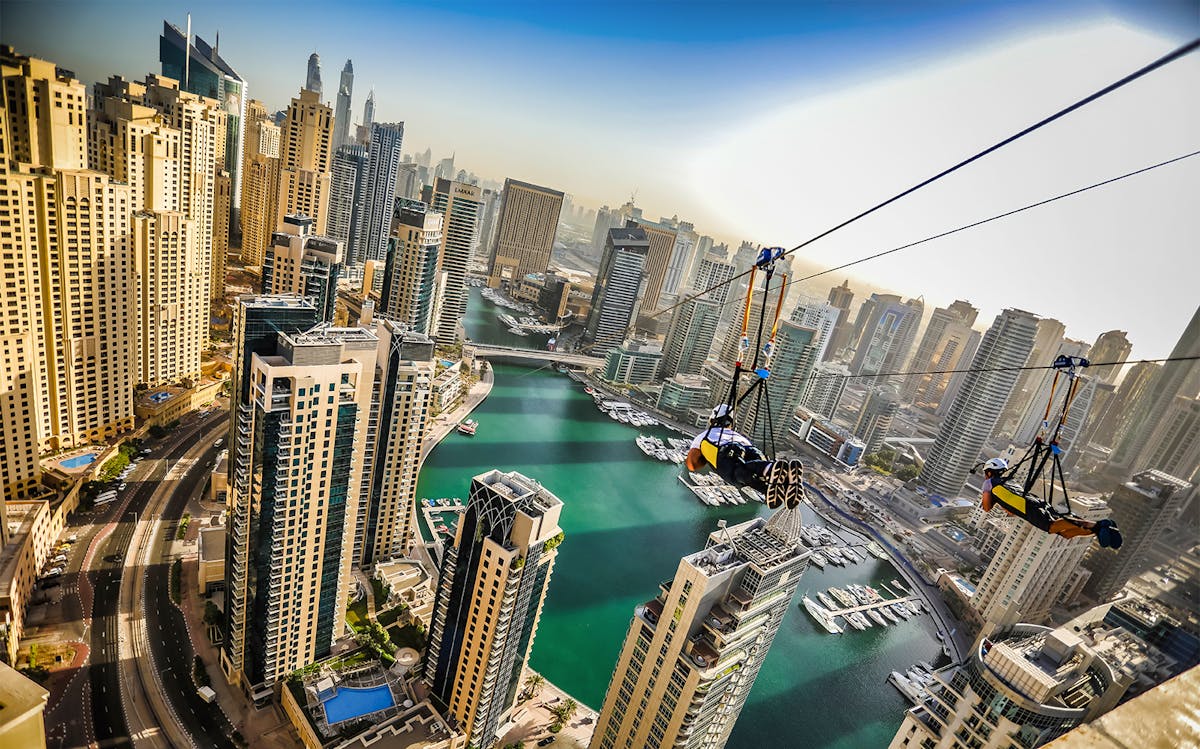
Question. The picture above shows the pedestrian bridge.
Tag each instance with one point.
(488, 351)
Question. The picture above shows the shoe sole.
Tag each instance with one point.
(777, 485)
(795, 487)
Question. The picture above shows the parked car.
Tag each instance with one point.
(60, 559)
(121, 486)
(144, 451)
(546, 741)
(53, 572)
(72, 538)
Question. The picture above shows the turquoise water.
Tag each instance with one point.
(352, 702)
(79, 461)
(628, 521)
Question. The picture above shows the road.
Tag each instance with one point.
(170, 645)
(109, 727)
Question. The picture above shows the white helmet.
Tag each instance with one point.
(996, 464)
(722, 409)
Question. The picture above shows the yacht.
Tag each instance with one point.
(887, 611)
(818, 559)
(858, 621)
(826, 601)
(877, 550)
(877, 617)
(468, 427)
(822, 616)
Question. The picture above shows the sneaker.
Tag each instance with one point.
(1108, 534)
(776, 477)
(795, 488)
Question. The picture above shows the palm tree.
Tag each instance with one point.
(534, 683)
(564, 711)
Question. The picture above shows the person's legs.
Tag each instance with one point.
(1068, 528)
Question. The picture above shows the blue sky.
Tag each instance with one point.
(767, 121)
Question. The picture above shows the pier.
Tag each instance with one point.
(873, 605)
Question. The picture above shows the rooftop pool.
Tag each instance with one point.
(79, 461)
(354, 702)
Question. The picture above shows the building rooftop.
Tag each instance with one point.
(751, 542)
(20, 698)
(1049, 667)
(1165, 717)
(212, 544)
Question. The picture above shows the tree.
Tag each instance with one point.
(534, 683)
(907, 473)
(212, 615)
(564, 711)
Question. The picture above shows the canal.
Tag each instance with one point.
(628, 521)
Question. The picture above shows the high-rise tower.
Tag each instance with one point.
(490, 593)
(368, 115)
(260, 182)
(693, 651)
(841, 297)
(312, 81)
(525, 232)
(68, 325)
(294, 493)
(301, 263)
(690, 337)
(887, 334)
(383, 163)
(1050, 335)
(412, 284)
(1111, 346)
(943, 324)
(460, 204)
(1144, 507)
(875, 419)
(976, 407)
(347, 197)
(306, 151)
(404, 372)
(341, 113)
(616, 297)
(825, 388)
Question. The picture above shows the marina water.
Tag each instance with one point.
(628, 520)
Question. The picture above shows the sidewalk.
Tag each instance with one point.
(448, 421)
(535, 718)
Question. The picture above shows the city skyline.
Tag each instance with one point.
(1004, 65)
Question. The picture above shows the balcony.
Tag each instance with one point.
(741, 598)
(702, 651)
(720, 620)
(652, 610)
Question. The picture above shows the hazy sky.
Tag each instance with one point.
(771, 123)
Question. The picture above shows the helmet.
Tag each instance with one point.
(720, 410)
(996, 464)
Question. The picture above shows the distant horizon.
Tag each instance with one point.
(770, 125)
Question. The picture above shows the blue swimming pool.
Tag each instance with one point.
(353, 702)
(159, 397)
(79, 461)
(955, 534)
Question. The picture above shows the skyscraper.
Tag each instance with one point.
(1144, 507)
(821, 317)
(616, 297)
(1050, 334)
(731, 344)
(301, 263)
(797, 350)
(944, 323)
(1176, 446)
(70, 331)
(383, 163)
(341, 113)
(976, 407)
(1033, 570)
(347, 195)
(1022, 686)
(1145, 431)
(525, 232)
(412, 285)
(295, 482)
(204, 72)
(953, 349)
(400, 408)
(490, 593)
(305, 155)
(825, 388)
(260, 182)
(875, 418)
(368, 114)
(713, 271)
(169, 146)
(1111, 346)
(1120, 414)
(690, 337)
(606, 218)
(461, 205)
(841, 297)
(661, 239)
(1031, 420)
(312, 81)
(693, 651)
(887, 334)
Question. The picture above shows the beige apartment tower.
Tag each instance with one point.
(489, 599)
(300, 428)
(306, 153)
(403, 377)
(524, 233)
(260, 182)
(172, 304)
(67, 324)
(413, 282)
(694, 650)
(662, 243)
(461, 205)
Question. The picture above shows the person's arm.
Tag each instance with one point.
(695, 459)
(986, 498)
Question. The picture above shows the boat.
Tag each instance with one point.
(648, 445)
(858, 621)
(826, 601)
(877, 617)
(588, 390)
(754, 494)
(899, 585)
(843, 597)
(822, 616)
(818, 559)
(468, 427)
(887, 611)
(877, 550)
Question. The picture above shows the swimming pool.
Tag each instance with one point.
(955, 534)
(353, 702)
(79, 461)
(160, 397)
